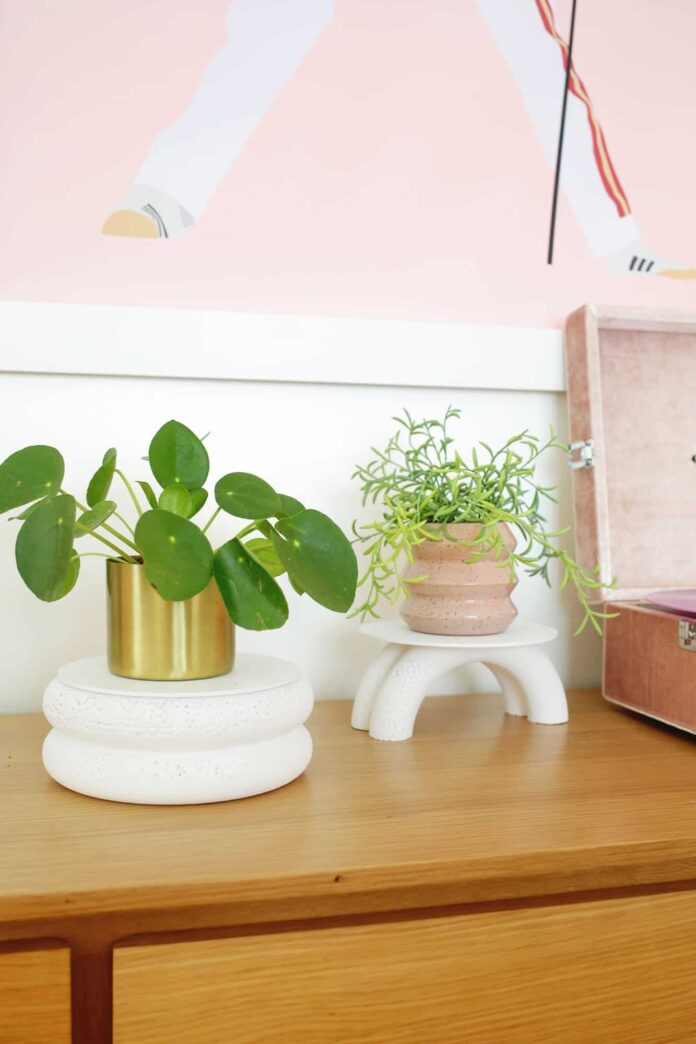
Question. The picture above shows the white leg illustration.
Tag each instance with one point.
(536, 53)
(372, 681)
(513, 693)
(267, 40)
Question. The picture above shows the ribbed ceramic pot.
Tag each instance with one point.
(461, 595)
(155, 640)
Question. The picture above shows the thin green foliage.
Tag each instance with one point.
(422, 484)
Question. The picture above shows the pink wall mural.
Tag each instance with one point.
(351, 157)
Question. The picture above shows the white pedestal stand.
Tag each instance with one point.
(394, 686)
(170, 743)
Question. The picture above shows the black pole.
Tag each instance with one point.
(559, 154)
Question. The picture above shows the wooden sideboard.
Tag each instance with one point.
(488, 882)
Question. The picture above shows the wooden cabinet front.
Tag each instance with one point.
(618, 971)
(35, 997)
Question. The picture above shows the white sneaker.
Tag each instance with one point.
(638, 260)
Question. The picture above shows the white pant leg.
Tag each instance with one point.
(267, 40)
(536, 61)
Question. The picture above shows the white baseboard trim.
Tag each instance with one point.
(107, 340)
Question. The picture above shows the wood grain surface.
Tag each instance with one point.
(477, 807)
(35, 997)
(479, 851)
(613, 972)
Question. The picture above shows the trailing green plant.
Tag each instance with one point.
(423, 484)
(279, 534)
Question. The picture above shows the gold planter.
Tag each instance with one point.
(156, 640)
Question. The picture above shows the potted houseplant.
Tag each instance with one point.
(172, 597)
(453, 533)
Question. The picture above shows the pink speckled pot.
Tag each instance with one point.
(460, 596)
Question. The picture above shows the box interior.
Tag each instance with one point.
(648, 395)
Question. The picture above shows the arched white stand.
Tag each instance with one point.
(395, 685)
(171, 743)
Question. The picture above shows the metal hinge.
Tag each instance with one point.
(687, 635)
(585, 450)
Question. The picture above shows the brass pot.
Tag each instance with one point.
(156, 640)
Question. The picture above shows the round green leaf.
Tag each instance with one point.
(176, 499)
(319, 558)
(247, 496)
(198, 499)
(44, 550)
(177, 456)
(265, 553)
(289, 506)
(100, 483)
(177, 556)
(149, 493)
(27, 511)
(295, 586)
(95, 517)
(252, 597)
(30, 473)
(70, 578)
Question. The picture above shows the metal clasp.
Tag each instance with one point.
(687, 635)
(585, 458)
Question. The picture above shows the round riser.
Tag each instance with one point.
(181, 777)
(182, 742)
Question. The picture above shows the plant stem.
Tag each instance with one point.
(130, 489)
(120, 536)
(114, 547)
(125, 523)
(109, 529)
(265, 528)
(247, 529)
(210, 521)
(93, 554)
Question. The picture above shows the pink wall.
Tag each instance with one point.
(396, 175)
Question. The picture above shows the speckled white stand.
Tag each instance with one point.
(395, 685)
(172, 743)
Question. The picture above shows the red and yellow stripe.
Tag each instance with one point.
(599, 145)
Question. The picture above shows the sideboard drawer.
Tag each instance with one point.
(35, 997)
(618, 971)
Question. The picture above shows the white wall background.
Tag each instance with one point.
(305, 438)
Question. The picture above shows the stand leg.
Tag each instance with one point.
(539, 681)
(371, 683)
(394, 688)
(513, 694)
(399, 699)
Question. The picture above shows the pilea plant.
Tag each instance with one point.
(422, 483)
(279, 536)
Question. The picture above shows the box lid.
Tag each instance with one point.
(631, 378)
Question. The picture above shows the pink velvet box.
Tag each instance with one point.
(631, 376)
